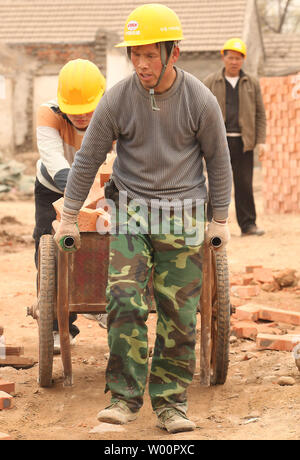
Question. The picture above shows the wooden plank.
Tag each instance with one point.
(87, 308)
(206, 314)
(18, 362)
(9, 350)
(63, 316)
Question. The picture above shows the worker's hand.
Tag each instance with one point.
(217, 234)
(67, 236)
(262, 150)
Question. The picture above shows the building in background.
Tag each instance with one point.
(40, 38)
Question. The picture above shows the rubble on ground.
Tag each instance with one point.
(14, 179)
(272, 328)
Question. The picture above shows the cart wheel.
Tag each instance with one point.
(46, 300)
(220, 319)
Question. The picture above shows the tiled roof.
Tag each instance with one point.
(207, 24)
(282, 53)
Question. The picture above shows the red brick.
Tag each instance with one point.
(106, 169)
(236, 302)
(244, 329)
(247, 279)
(8, 387)
(87, 218)
(285, 342)
(263, 275)
(281, 316)
(5, 400)
(236, 280)
(251, 268)
(245, 292)
(248, 312)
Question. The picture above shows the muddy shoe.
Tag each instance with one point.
(174, 421)
(117, 413)
(100, 317)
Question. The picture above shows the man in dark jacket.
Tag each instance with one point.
(241, 102)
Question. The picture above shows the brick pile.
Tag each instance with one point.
(7, 390)
(281, 165)
(270, 328)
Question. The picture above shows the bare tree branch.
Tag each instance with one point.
(283, 16)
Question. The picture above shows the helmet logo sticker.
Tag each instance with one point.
(132, 25)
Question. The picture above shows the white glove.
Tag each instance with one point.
(217, 234)
(67, 236)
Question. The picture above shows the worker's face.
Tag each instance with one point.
(233, 62)
(146, 60)
(80, 121)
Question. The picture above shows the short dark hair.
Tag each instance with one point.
(225, 52)
(169, 46)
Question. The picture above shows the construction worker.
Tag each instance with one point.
(240, 99)
(61, 125)
(165, 122)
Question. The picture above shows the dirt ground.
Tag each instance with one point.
(251, 405)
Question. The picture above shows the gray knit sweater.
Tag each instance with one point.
(159, 154)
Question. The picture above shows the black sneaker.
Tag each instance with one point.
(253, 230)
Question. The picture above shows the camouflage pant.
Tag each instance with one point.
(176, 269)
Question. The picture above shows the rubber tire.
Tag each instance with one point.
(47, 301)
(220, 320)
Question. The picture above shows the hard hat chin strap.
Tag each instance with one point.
(165, 61)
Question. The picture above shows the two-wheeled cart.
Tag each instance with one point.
(76, 282)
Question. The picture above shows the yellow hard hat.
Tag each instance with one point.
(235, 44)
(151, 23)
(80, 87)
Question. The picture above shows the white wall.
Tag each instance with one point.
(45, 89)
(118, 66)
(6, 116)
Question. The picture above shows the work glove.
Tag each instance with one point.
(67, 236)
(217, 234)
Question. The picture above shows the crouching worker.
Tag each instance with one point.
(61, 125)
(165, 122)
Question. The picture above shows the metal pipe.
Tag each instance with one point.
(216, 242)
(69, 242)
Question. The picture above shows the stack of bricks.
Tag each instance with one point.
(262, 324)
(7, 389)
(281, 165)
